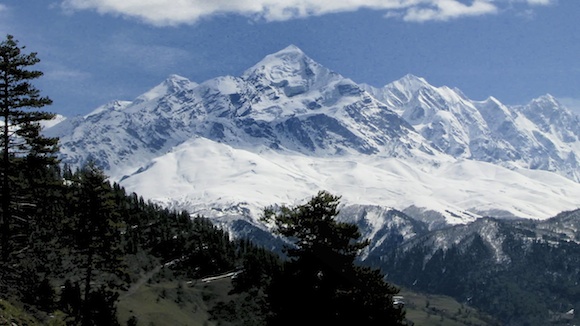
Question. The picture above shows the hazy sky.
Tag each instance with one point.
(96, 51)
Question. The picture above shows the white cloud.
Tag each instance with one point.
(533, 3)
(176, 12)
(529, 13)
(448, 9)
(148, 57)
(540, 2)
(58, 72)
(3, 21)
(164, 12)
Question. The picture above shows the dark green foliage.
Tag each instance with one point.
(101, 308)
(250, 307)
(202, 248)
(320, 283)
(22, 145)
(132, 321)
(26, 164)
(258, 267)
(70, 299)
(94, 231)
(44, 296)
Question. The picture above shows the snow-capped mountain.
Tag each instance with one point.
(287, 101)
(289, 127)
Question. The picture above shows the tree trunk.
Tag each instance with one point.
(6, 193)
(86, 318)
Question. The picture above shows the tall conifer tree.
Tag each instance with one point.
(320, 284)
(96, 228)
(20, 139)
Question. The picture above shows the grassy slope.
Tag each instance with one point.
(433, 310)
(173, 303)
(14, 314)
(10, 314)
(179, 303)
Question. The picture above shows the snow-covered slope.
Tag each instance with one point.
(53, 122)
(289, 127)
(202, 173)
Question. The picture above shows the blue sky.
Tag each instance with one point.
(96, 51)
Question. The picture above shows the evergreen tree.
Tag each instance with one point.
(258, 268)
(70, 299)
(21, 143)
(96, 230)
(320, 284)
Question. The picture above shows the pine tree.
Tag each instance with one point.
(320, 284)
(21, 143)
(96, 229)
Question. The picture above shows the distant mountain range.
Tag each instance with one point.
(523, 272)
(289, 127)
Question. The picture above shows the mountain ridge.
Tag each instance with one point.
(292, 120)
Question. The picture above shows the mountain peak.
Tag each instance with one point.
(289, 59)
(547, 98)
(176, 78)
(177, 81)
(491, 101)
(405, 87)
(289, 69)
(544, 105)
(291, 49)
(413, 81)
(171, 84)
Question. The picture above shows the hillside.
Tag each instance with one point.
(523, 272)
(180, 303)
